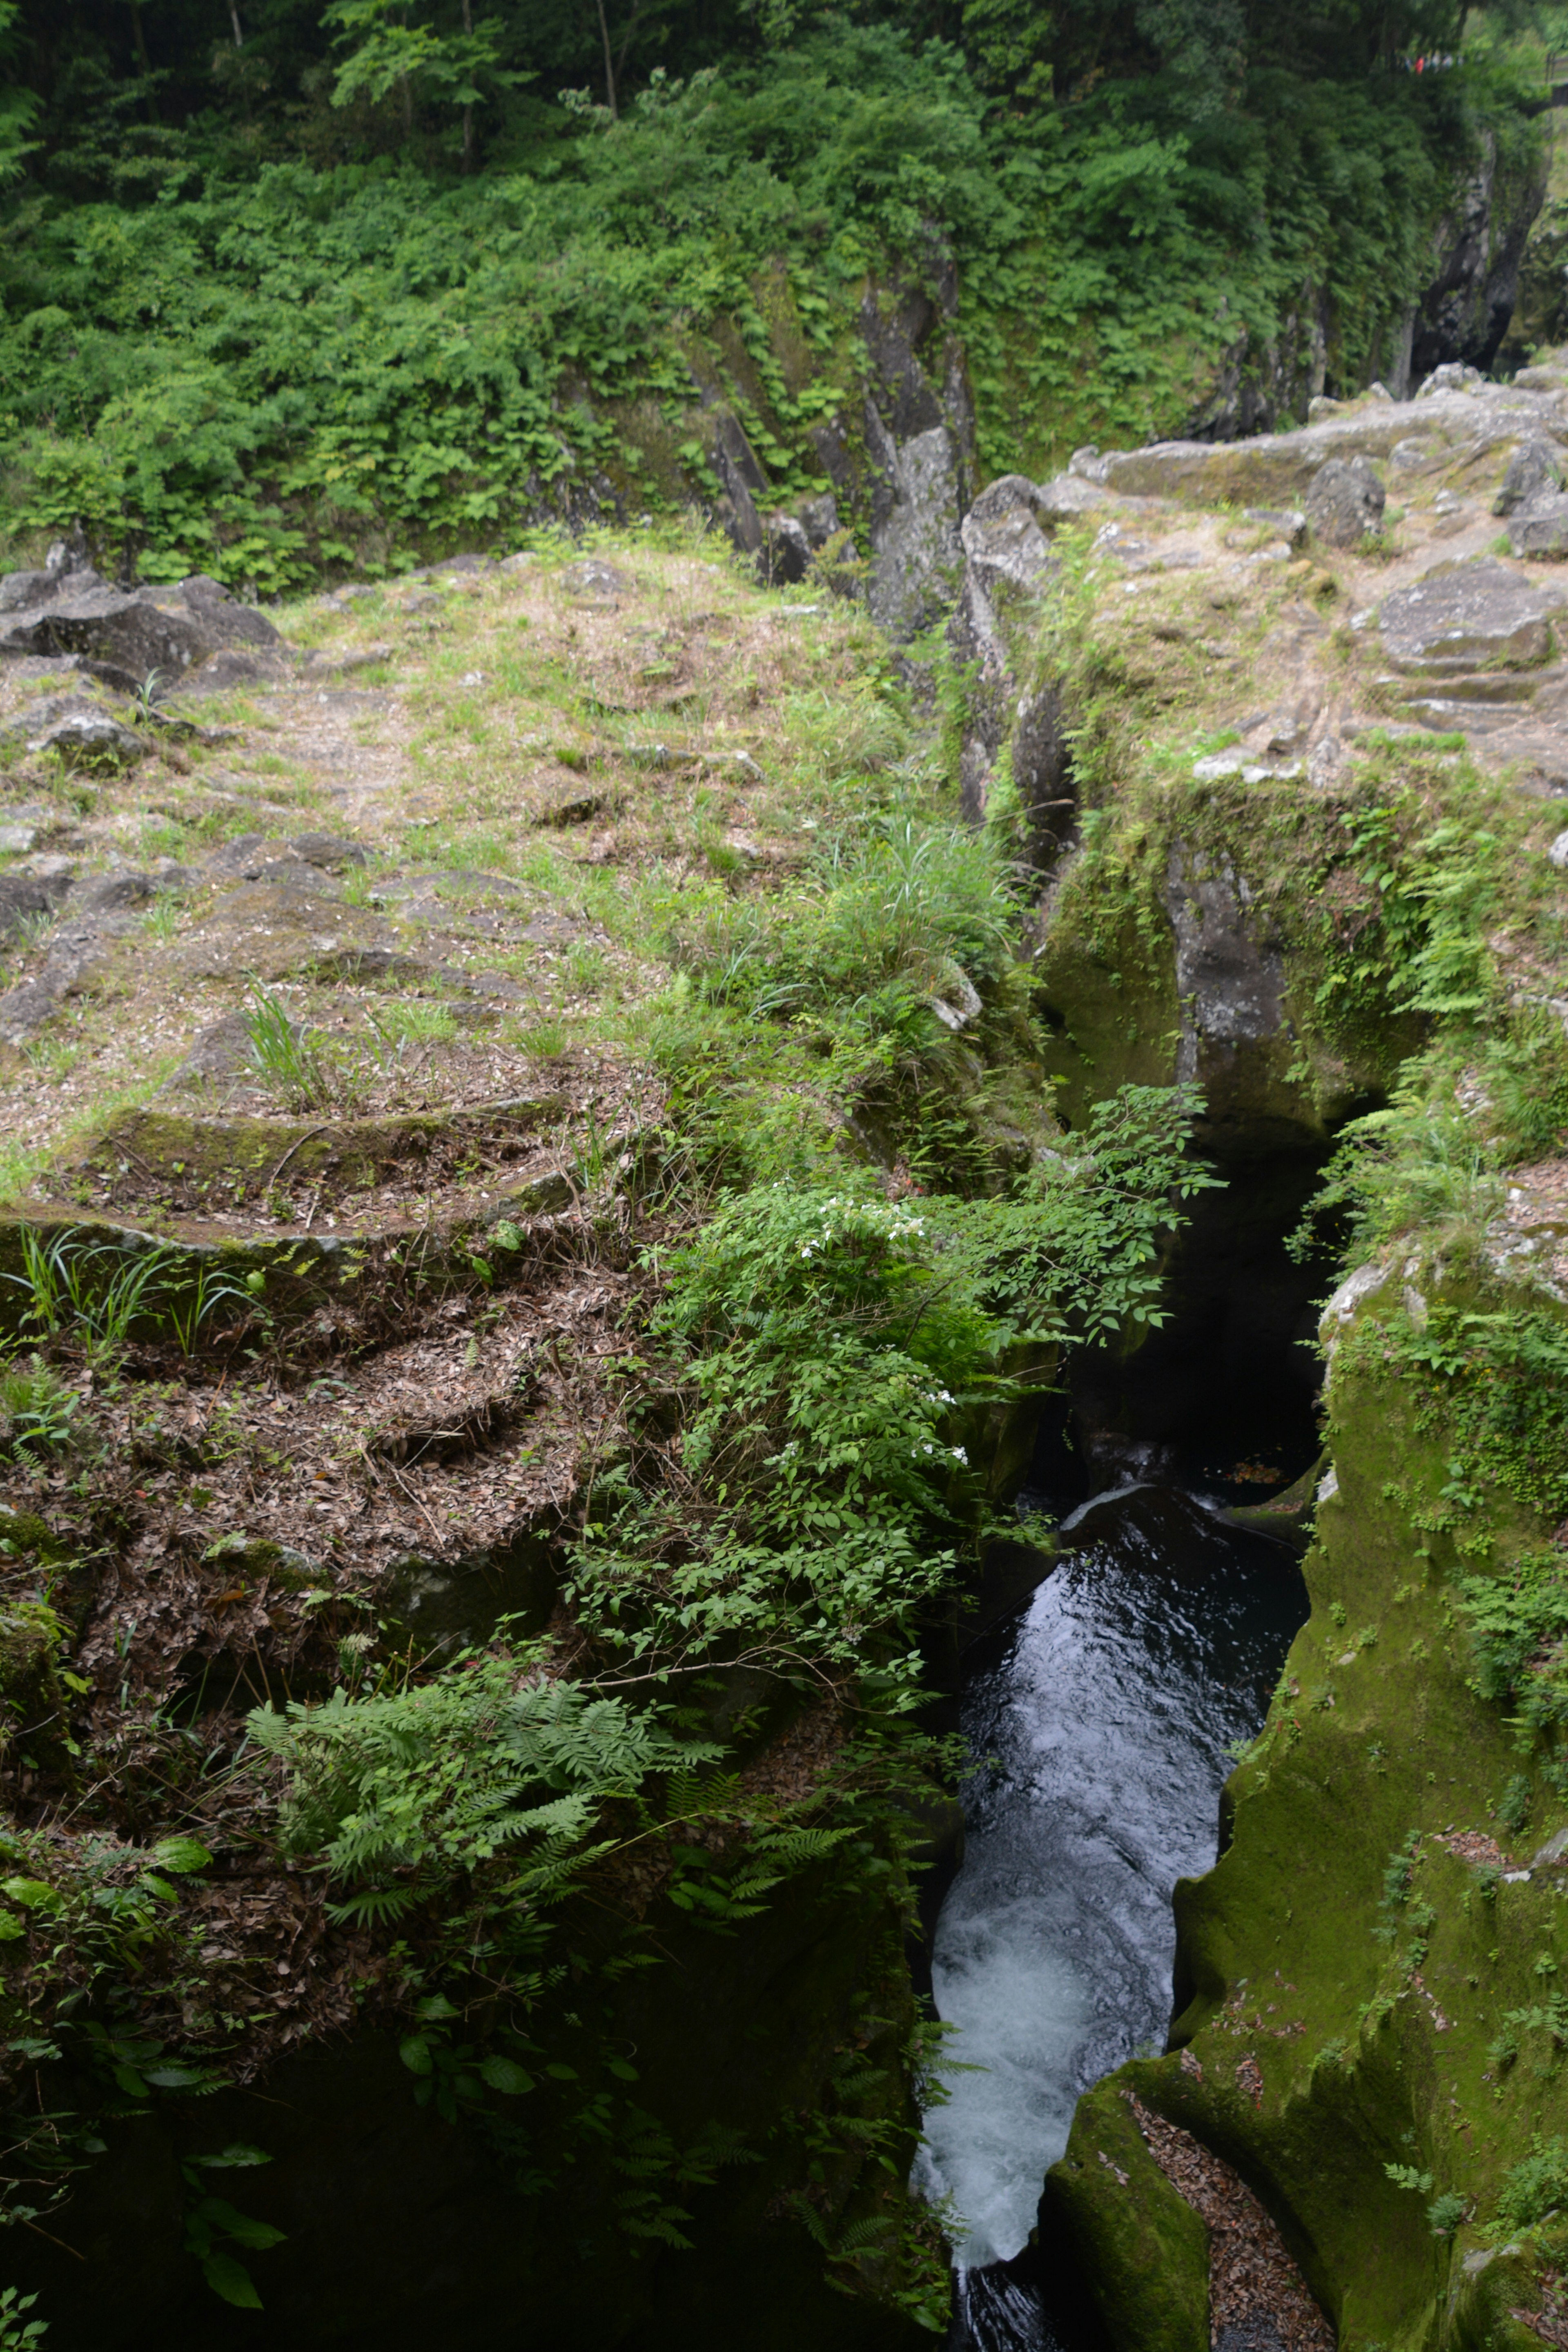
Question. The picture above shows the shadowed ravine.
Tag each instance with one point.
(1100, 1718)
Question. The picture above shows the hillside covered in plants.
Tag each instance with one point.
(289, 290)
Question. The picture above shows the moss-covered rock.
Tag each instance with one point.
(1145, 2249)
(1365, 1982)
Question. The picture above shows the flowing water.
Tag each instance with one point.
(1102, 1716)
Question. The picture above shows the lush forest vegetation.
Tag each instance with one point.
(289, 287)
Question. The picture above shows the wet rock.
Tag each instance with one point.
(1532, 469)
(450, 1605)
(1480, 614)
(1231, 985)
(1464, 311)
(1541, 528)
(1346, 502)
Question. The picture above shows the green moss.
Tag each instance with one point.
(1142, 2244)
(31, 1701)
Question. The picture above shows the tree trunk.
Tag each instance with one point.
(233, 20)
(609, 63)
(467, 111)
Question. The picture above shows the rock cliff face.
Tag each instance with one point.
(1360, 2041)
(898, 448)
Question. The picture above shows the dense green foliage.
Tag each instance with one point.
(265, 334)
(833, 1342)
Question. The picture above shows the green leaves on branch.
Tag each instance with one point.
(385, 50)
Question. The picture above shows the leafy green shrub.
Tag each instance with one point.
(275, 366)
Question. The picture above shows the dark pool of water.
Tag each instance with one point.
(1103, 1717)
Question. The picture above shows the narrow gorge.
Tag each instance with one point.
(783, 1410)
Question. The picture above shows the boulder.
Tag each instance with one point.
(27, 899)
(1452, 376)
(595, 582)
(232, 623)
(112, 893)
(135, 633)
(1067, 496)
(916, 551)
(1541, 528)
(1277, 468)
(1466, 618)
(1001, 539)
(230, 666)
(329, 850)
(1532, 468)
(1346, 502)
(83, 733)
(784, 557)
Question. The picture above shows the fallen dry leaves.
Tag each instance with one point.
(1251, 2275)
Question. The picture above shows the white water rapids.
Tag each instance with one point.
(1102, 1719)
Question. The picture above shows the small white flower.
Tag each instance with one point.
(960, 1455)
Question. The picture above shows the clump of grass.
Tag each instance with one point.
(284, 1054)
(400, 1026)
(544, 1039)
(162, 921)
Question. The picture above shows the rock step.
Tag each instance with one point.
(1472, 686)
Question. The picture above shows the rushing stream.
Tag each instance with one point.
(1104, 1712)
